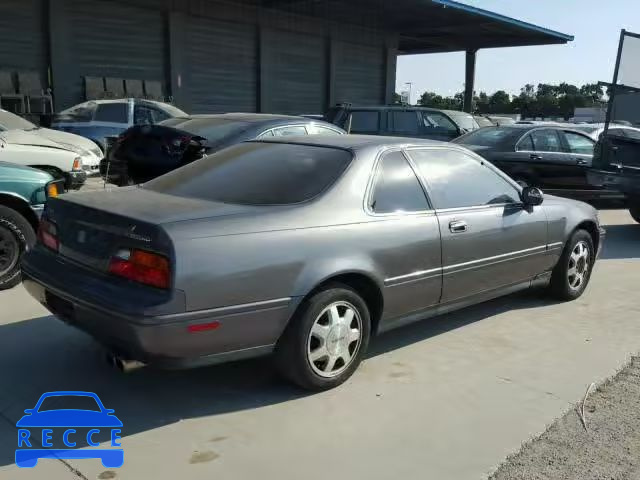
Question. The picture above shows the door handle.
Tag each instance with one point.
(457, 226)
(581, 161)
(535, 156)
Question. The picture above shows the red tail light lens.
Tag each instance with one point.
(142, 267)
(48, 234)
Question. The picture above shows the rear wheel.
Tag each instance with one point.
(16, 235)
(326, 339)
(571, 275)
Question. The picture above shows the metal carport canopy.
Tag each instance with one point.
(434, 26)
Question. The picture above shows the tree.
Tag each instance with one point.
(500, 102)
(396, 98)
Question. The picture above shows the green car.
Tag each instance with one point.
(23, 193)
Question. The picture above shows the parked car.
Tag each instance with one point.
(498, 120)
(85, 149)
(145, 152)
(97, 119)
(554, 158)
(404, 121)
(616, 166)
(25, 148)
(304, 247)
(594, 130)
(23, 193)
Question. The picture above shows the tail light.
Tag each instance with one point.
(77, 164)
(141, 266)
(48, 234)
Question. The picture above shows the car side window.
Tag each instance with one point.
(143, 115)
(525, 145)
(112, 112)
(396, 187)
(579, 143)
(546, 141)
(404, 122)
(159, 115)
(289, 131)
(320, 130)
(267, 134)
(438, 122)
(455, 180)
(364, 121)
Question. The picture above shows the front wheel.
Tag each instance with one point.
(326, 340)
(571, 275)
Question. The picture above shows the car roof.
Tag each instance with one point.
(252, 117)
(394, 107)
(352, 142)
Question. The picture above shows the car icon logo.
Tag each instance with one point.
(66, 421)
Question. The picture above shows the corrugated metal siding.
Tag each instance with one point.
(359, 73)
(296, 72)
(116, 40)
(22, 36)
(222, 66)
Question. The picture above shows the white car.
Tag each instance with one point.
(30, 134)
(24, 148)
(594, 130)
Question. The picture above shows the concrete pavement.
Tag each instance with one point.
(447, 398)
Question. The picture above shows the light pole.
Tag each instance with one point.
(410, 84)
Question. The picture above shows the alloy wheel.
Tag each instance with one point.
(578, 270)
(9, 251)
(334, 340)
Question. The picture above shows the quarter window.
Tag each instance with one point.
(579, 144)
(546, 141)
(438, 122)
(396, 187)
(526, 144)
(289, 131)
(364, 122)
(456, 180)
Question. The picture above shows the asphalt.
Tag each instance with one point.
(448, 398)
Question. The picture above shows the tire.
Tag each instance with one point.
(634, 210)
(564, 285)
(16, 235)
(331, 340)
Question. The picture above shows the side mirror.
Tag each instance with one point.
(531, 196)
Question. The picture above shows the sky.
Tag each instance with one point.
(590, 58)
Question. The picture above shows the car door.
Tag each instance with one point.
(437, 126)
(404, 236)
(579, 150)
(553, 168)
(489, 238)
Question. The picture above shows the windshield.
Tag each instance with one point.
(82, 112)
(213, 129)
(256, 173)
(585, 128)
(10, 121)
(69, 402)
(485, 137)
(464, 120)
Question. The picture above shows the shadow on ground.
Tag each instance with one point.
(622, 241)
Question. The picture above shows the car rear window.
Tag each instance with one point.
(213, 129)
(485, 137)
(464, 120)
(256, 173)
(69, 402)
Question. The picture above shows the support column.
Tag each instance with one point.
(469, 80)
(391, 58)
(178, 67)
(63, 75)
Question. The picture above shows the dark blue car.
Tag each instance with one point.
(97, 119)
(96, 417)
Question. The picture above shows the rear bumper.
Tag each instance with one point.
(165, 340)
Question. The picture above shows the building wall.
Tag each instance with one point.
(210, 55)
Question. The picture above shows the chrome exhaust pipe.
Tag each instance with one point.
(123, 364)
